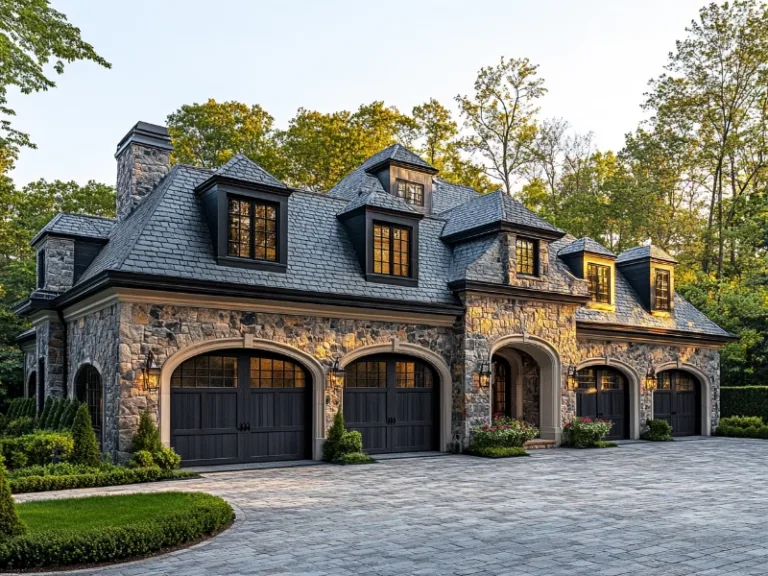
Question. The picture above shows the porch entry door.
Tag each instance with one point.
(392, 402)
(677, 401)
(602, 393)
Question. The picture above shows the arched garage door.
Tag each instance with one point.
(677, 400)
(393, 402)
(229, 407)
(603, 393)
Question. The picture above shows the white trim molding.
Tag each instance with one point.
(316, 370)
(705, 392)
(435, 360)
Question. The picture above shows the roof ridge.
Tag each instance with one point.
(79, 215)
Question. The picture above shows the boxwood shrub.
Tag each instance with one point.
(38, 446)
(206, 516)
(742, 427)
(744, 401)
(586, 432)
(116, 477)
(498, 451)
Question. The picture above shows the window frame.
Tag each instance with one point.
(399, 181)
(400, 222)
(657, 272)
(535, 252)
(41, 269)
(390, 262)
(595, 297)
(253, 203)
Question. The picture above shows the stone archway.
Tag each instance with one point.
(634, 389)
(706, 392)
(316, 370)
(434, 359)
(551, 378)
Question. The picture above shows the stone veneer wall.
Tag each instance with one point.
(30, 366)
(50, 346)
(59, 263)
(637, 354)
(139, 169)
(166, 329)
(95, 339)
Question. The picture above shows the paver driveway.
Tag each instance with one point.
(688, 507)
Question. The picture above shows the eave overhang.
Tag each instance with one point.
(652, 335)
(496, 227)
(218, 179)
(517, 292)
(407, 165)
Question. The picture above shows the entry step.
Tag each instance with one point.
(539, 444)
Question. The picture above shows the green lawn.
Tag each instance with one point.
(99, 511)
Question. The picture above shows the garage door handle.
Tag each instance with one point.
(674, 413)
(241, 427)
(248, 427)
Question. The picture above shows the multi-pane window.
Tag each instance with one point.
(275, 373)
(391, 250)
(661, 301)
(365, 374)
(41, 269)
(89, 391)
(607, 378)
(587, 380)
(525, 252)
(411, 192)
(500, 384)
(599, 280)
(412, 375)
(206, 372)
(252, 229)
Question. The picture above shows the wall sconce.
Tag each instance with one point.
(572, 379)
(484, 374)
(337, 373)
(650, 378)
(151, 373)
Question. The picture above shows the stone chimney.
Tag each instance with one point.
(143, 158)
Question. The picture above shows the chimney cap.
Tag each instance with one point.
(148, 135)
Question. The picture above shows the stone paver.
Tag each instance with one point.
(681, 508)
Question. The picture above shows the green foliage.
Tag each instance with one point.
(657, 431)
(742, 427)
(20, 426)
(117, 477)
(147, 437)
(166, 459)
(10, 525)
(497, 451)
(334, 436)
(38, 446)
(68, 417)
(502, 432)
(351, 441)
(61, 469)
(586, 433)
(142, 459)
(18, 460)
(53, 416)
(354, 458)
(744, 400)
(86, 447)
(45, 413)
(167, 520)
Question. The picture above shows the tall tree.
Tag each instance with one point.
(501, 117)
(31, 35)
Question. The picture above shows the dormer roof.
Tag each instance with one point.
(398, 154)
(644, 252)
(76, 226)
(242, 168)
(378, 199)
(586, 245)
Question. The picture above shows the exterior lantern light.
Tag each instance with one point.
(337, 373)
(573, 382)
(484, 374)
(151, 373)
(650, 377)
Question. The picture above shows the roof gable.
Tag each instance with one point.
(643, 252)
(242, 168)
(76, 225)
(586, 245)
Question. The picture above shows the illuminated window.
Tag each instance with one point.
(411, 192)
(366, 374)
(206, 372)
(661, 301)
(599, 280)
(252, 229)
(525, 252)
(501, 383)
(412, 375)
(391, 250)
(276, 373)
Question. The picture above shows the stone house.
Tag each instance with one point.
(243, 314)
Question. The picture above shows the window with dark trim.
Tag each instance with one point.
(206, 372)
(366, 374)
(599, 281)
(391, 250)
(411, 192)
(276, 373)
(89, 391)
(662, 289)
(41, 269)
(252, 229)
(412, 375)
(525, 252)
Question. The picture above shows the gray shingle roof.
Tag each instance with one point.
(488, 209)
(378, 199)
(586, 245)
(641, 252)
(446, 195)
(241, 167)
(355, 182)
(96, 227)
(398, 153)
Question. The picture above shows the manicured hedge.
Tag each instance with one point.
(207, 515)
(115, 478)
(744, 401)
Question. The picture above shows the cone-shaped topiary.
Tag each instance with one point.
(335, 433)
(53, 414)
(69, 415)
(45, 412)
(30, 413)
(61, 415)
(147, 436)
(86, 450)
(10, 525)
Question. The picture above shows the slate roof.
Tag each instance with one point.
(586, 245)
(81, 225)
(398, 153)
(489, 208)
(378, 199)
(641, 252)
(240, 167)
(446, 195)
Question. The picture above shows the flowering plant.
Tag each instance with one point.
(584, 432)
(502, 431)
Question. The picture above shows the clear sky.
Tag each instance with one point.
(595, 55)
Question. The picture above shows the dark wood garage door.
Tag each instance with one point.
(676, 400)
(603, 393)
(392, 401)
(240, 407)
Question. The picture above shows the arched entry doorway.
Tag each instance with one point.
(240, 406)
(677, 400)
(32, 385)
(393, 401)
(603, 392)
(503, 397)
(89, 391)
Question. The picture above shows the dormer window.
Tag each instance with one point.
(391, 249)
(526, 255)
(599, 281)
(41, 269)
(252, 229)
(662, 291)
(411, 192)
